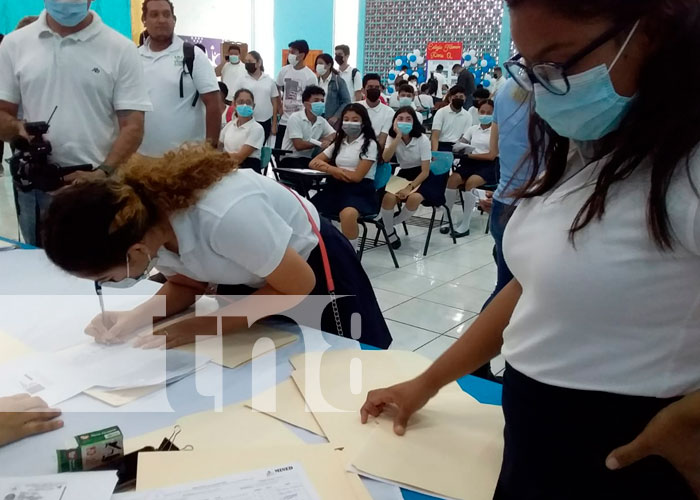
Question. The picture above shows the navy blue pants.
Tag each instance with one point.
(557, 440)
(500, 215)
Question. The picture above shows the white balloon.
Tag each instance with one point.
(420, 60)
(484, 63)
(472, 52)
(472, 62)
(408, 56)
(414, 64)
(417, 52)
(393, 72)
(398, 62)
(464, 56)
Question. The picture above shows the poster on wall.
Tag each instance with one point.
(445, 51)
(212, 46)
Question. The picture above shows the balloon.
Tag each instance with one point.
(399, 63)
(468, 58)
(421, 60)
(472, 71)
(390, 90)
(487, 56)
(392, 77)
(486, 83)
(484, 63)
(473, 61)
(472, 52)
(417, 52)
(413, 58)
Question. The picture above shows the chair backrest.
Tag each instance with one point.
(441, 162)
(382, 175)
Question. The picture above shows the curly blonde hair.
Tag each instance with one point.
(90, 226)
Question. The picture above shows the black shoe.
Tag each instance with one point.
(395, 244)
(461, 235)
(445, 230)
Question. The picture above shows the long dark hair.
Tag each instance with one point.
(417, 129)
(256, 55)
(367, 130)
(326, 58)
(648, 131)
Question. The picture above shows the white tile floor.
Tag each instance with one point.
(428, 302)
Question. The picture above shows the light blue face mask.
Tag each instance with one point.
(405, 127)
(591, 109)
(318, 108)
(486, 119)
(128, 282)
(234, 59)
(405, 101)
(67, 14)
(244, 111)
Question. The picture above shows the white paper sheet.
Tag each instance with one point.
(283, 482)
(74, 486)
(462, 147)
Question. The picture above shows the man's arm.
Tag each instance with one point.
(212, 103)
(10, 126)
(129, 139)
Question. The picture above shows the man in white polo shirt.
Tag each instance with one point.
(231, 69)
(451, 122)
(186, 107)
(307, 129)
(92, 75)
(381, 115)
(351, 76)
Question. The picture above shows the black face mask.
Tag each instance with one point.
(457, 103)
(339, 59)
(250, 68)
(373, 94)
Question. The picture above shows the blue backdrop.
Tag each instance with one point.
(308, 19)
(115, 13)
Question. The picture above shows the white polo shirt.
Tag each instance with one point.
(231, 74)
(300, 127)
(382, 117)
(441, 80)
(238, 231)
(293, 82)
(479, 138)
(264, 90)
(496, 86)
(414, 153)
(250, 133)
(89, 75)
(173, 120)
(612, 313)
(451, 124)
(353, 84)
(350, 155)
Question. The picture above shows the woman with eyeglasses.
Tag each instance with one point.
(600, 327)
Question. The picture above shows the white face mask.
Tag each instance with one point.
(128, 282)
(292, 59)
(321, 69)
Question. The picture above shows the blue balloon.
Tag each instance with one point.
(472, 71)
(413, 58)
(468, 57)
(392, 76)
(486, 83)
(487, 56)
(390, 90)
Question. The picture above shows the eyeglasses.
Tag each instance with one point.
(552, 76)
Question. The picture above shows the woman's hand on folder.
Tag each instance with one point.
(22, 416)
(406, 398)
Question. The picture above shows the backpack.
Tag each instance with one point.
(187, 68)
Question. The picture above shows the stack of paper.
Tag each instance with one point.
(75, 486)
(453, 447)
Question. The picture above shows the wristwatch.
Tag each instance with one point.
(107, 169)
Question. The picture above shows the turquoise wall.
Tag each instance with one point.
(506, 39)
(115, 13)
(311, 20)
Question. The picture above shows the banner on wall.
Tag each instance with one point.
(213, 46)
(445, 51)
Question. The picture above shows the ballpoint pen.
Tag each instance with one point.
(98, 290)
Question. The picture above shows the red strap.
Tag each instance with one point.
(229, 113)
(321, 244)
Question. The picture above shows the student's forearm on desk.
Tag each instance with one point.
(479, 344)
(302, 145)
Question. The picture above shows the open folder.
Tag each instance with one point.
(322, 464)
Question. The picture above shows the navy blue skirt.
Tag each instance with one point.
(432, 188)
(337, 195)
(557, 440)
(484, 169)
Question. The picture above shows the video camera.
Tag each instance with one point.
(30, 166)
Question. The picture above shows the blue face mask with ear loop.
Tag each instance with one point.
(591, 109)
(67, 14)
(485, 119)
(405, 127)
(318, 108)
(128, 282)
(244, 110)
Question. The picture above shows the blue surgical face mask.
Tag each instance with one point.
(128, 282)
(318, 108)
(591, 109)
(234, 59)
(67, 14)
(405, 127)
(244, 111)
(485, 119)
(405, 101)
(353, 129)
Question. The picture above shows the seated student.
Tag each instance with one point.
(207, 223)
(451, 122)
(243, 138)
(424, 101)
(476, 169)
(351, 161)
(412, 150)
(22, 416)
(407, 98)
(337, 95)
(307, 129)
(480, 95)
(413, 82)
(380, 114)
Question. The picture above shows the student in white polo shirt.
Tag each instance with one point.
(351, 76)
(292, 80)
(307, 129)
(352, 162)
(405, 97)
(186, 107)
(243, 138)
(232, 69)
(451, 122)
(380, 114)
(70, 60)
(210, 227)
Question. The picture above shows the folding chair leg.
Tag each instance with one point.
(430, 232)
(405, 228)
(452, 228)
(461, 199)
(376, 236)
(363, 240)
(488, 224)
(381, 227)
